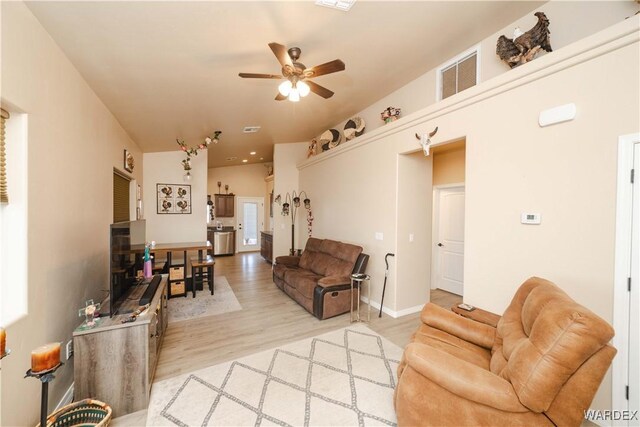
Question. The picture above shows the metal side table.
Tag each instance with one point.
(357, 280)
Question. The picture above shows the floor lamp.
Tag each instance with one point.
(290, 207)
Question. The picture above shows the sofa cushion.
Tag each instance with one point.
(280, 269)
(546, 337)
(335, 258)
(311, 249)
(303, 281)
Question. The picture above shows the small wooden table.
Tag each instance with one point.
(169, 248)
(479, 315)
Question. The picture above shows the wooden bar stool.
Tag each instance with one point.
(198, 274)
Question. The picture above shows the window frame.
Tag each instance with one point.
(454, 61)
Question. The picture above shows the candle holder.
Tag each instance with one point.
(45, 378)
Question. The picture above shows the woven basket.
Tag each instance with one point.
(86, 412)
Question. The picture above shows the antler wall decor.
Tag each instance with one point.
(425, 140)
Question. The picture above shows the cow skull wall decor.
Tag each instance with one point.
(425, 140)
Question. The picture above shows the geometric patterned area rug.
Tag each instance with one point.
(341, 378)
(204, 304)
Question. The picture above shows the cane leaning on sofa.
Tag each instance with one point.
(542, 365)
(320, 279)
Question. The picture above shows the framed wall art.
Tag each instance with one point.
(173, 198)
(129, 162)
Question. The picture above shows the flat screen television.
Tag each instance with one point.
(126, 250)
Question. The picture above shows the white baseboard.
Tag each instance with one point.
(392, 313)
(66, 399)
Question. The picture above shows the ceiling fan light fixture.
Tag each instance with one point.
(285, 88)
(303, 89)
(294, 95)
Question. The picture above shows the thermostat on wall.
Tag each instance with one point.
(530, 218)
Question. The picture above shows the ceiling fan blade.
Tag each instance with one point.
(319, 90)
(280, 97)
(259, 76)
(281, 53)
(326, 68)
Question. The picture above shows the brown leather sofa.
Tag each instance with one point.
(542, 365)
(320, 279)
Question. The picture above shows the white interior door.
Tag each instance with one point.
(250, 223)
(449, 240)
(634, 297)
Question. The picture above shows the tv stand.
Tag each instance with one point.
(115, 362)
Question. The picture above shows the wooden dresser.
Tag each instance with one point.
(266, 246)
(115, 362)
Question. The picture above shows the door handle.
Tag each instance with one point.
(440, 244)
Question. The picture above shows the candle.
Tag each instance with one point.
(3, 341)
(45, 357)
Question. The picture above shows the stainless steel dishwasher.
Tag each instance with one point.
(224, 242)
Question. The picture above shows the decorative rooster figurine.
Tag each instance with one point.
(524, 47)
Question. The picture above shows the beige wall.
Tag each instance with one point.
(285, 157)
(244, 181)
(448, 167)
(166, 168)
(566, 172)
(74, 144)
(413, 238)
(570, 21)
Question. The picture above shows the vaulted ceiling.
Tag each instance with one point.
(169, 70)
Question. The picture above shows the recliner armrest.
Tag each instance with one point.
(361, 264)
(289, 261)
(466, 329)
(329, 281)
(462, 378)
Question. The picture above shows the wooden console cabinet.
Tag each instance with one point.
(266, 246)
(115, 362)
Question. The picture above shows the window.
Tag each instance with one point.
(4, 193)
(14, 252)
(461, 73)
(121, 197)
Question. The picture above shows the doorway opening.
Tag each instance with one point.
(626, 289)
(250, 223)
(447, 259)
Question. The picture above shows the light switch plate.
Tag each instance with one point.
(530, 218)
(69, 349)
(379, 235)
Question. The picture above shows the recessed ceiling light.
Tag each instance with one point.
(253, 153)
(251, 129)
(261, 158)
(230, 159)
(244, 160)
(343, 5)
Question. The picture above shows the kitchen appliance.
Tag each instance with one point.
(224, 242)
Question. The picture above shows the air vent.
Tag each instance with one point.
(343, 5)
(230, 159)
(251, 129)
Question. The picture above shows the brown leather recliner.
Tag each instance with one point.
(320, 279)
(542, 365)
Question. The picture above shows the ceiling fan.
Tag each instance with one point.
(297, 75)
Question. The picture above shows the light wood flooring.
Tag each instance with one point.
(268, 319)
